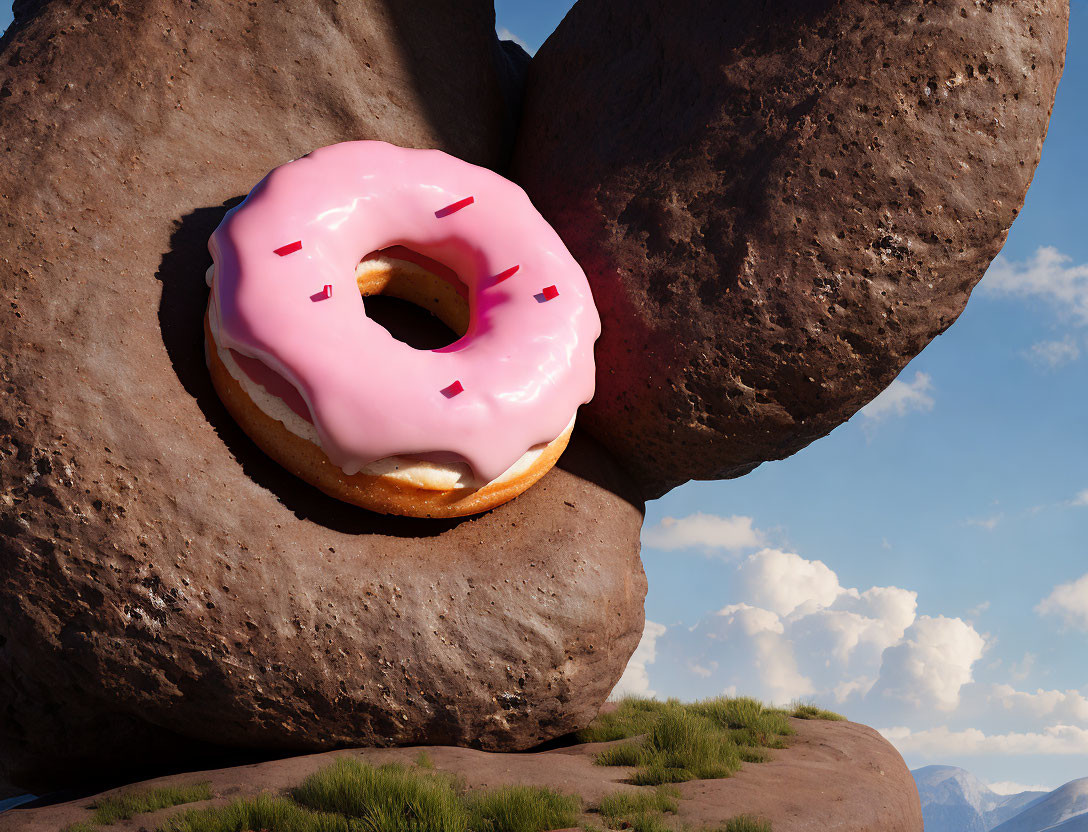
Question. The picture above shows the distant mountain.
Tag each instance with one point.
(1077, 824)
(954, 800)
(1015, 805)
(1063, 810)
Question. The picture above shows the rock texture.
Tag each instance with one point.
(220, 95)
(834, 775)
(777, 208)
(163, 586)
(838, 775)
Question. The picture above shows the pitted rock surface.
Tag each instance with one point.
(777, 206)
(164, 587)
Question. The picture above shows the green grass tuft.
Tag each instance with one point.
(522, 809)
(684, 745)
(389, 798)
(809, 711)
(695, 741)
(745, 823)
(679, 746)
(646, 822)
(81, 826)
(616, 807)
(749, 721)
(423, 760)
(753, 755)
(353, 796)
(127, 805)
(632, 716)
(263, 812)
(625, 754)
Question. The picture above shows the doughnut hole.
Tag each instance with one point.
(419, 301)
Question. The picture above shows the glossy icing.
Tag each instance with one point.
(525, 364)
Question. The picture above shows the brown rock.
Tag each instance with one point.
(777, 209)
(838, 775)
(164, 586)
(834, 775)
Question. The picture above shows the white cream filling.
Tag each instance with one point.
(431, 476)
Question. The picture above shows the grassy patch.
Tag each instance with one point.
(263, 812)
(748, 721)
(615, 807)
(423, 760)
(640, 811)
(129, 804)
(522, 809)
(82, 826)
(809, 711)
(646, 822)
(389, 798)
(694, 741)
(646, 811)
(682, 746)
(745, 823)
(632, 716)
(352, 796)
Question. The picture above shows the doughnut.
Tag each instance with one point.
(333, 396)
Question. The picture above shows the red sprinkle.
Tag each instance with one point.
(453, 390)
(324, 294)
(456, 206)
(549, 292)
(290, 248)
(501, 276)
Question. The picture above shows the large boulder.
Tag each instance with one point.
(164, 587)
(777, 206)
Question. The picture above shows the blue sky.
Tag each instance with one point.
(918, 569)
(960, 485)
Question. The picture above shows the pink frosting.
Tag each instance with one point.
(525, 364)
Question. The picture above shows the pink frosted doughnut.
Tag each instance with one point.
(284, 293)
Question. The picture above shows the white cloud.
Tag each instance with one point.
(932, 662)
(1081, 499)
(978, 609)
(781, 582)
(1053, 354)
(1047, 275)
(880, 614)
(942, 742)
(506, 34)
(1069, 602)
(987, 523)
(794, 633)
(635, 680)
(708, 531)
(901, 398)
(749, 642)
(1063, 706)
(1011, 787)
(751, 621)
(789, 630)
